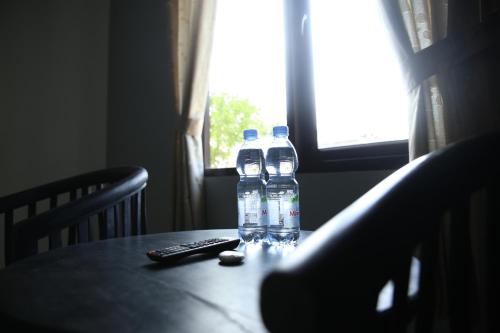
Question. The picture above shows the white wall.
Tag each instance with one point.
(141, 114)
(53, 90)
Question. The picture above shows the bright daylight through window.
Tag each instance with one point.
(359, 93)
(247, 75)
(359, 90)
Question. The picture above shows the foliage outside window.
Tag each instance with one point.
(229, 116)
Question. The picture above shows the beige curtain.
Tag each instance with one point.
(191, 31)
(455, 104)
(417, 24)
(459, 102)
(426, 22)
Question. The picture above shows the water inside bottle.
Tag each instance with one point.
(281, 160)
(252, 204)
(250, 162)
(282, 195)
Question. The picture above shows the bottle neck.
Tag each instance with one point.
(280, 138)
(251, 145)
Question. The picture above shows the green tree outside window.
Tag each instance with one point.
(229, 116)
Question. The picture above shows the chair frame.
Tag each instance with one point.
(119, 196)
(334, 278)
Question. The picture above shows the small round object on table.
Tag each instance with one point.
(231, 257)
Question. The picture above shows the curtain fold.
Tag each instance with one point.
(191, 33)
(457, 103)
(416, 25)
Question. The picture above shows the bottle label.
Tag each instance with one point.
(292, 211)
(284, 210)
(252, 209)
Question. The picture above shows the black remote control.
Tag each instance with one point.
(179, 251)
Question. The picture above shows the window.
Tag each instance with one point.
(326, 68)
(359, 91)
(247, 75)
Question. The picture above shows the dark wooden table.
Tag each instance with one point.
(111, 286)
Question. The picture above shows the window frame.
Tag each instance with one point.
(301, 113)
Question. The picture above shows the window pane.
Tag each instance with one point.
(247, 75)
(359, 90)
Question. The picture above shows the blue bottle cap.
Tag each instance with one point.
(280, 131)
(250, 134)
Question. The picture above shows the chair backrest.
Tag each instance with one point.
(112, 199)
(334, 278)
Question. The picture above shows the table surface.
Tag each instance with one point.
(112, 286)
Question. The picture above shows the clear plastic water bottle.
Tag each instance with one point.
(251, 189)
(282, 190)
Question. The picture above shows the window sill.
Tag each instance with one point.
(221, 172)
(387, 156)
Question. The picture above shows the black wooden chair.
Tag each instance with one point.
(113, 200)
(332, 281)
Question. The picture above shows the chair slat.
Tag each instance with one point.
(126, 217)
(427, 286)
(116, 212)
(105, 219)
(72, 229)
(84, 231)
(143, 212)
(31, 213)
(32, 209)
(134, 205)
(109, 220)
(137, 213)
(55, 240)
(83, 226)
(9, 223)
(400, 297)
(103, 231)
(461, 269)
(492, 249)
